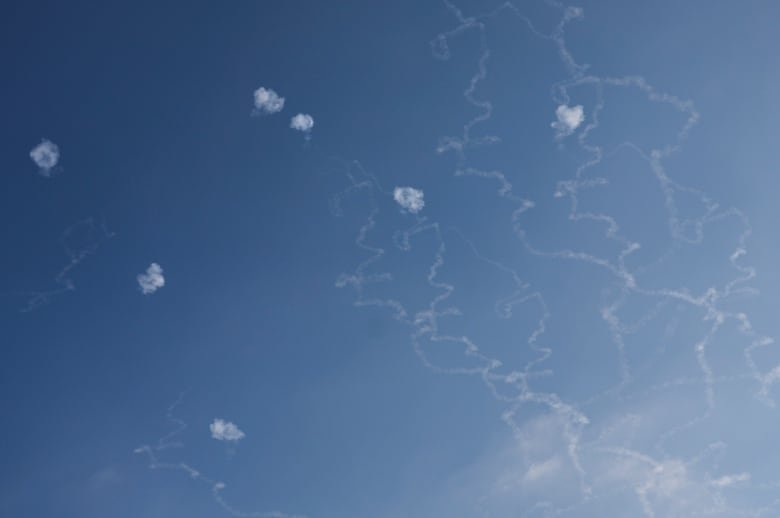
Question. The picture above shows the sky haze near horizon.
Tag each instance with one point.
(481, 259)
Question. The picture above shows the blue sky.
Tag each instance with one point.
(485, 259)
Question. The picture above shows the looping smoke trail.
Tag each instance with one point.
(154, 452)
(654, 475)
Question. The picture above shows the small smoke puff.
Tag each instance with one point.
(569, 119)
(267, 101)
(572, 13)
(46, 155)
(151, 280)
(222, 430)
(440, 48)
(409, 199)
(302, 122)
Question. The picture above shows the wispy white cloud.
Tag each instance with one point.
(730, 480)
(46, 155)
(103, 479)
(569, 119)
(302, 122)
(268, 101)
(409, 199)
(222, 430)
(151, 280)
(540, 470)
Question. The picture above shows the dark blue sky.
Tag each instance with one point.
(369, 410)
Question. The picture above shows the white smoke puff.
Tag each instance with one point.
(222, 430)
(46, 155)
(409, 198)
(569, 119)
(151, 280)
(302, 122)
(267, 101)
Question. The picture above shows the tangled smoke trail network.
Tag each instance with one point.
(622, 454)
(506, 258)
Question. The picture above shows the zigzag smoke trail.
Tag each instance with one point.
(79, 241)
(606, 466)
(169, 442)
